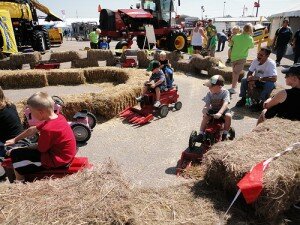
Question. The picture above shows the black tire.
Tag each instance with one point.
(178, 105)
(92, 120)
(46, 38)
(121, 45)
(163, 111)
(191, 140)
(58, 100)
(38, 41)
(34, 138)
(177, 37)
(231, 134)
(81, 132)
(140, 42)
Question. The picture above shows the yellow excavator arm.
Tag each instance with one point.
(50, 16)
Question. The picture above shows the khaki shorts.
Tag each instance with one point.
(238, 66)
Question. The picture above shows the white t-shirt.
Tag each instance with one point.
(268, 69)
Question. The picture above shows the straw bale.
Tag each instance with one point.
(65, 56)
(113, 101)
(26, 58)
(143, 59)
(209, 62)
(65, 77)
(103, 196)
(7, 64)
(198, 62)
(102, 55)
(226, 72)
(174, 56)
(105, 74)
(183, 65)
(84, 63)
(228, 162)
(23, 79)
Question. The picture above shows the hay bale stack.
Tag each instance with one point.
(66, 56)
(7, 64)
(105, 74)
(66, 77)
(23, 79)
(209, 62)
(113, 101)
(174, 56)
(142, 58)
(197, 62)
(75, 103)
(183, 65)
(102, 55)
(84, 63)
(226, 72)
(228, 162)
(26, 58)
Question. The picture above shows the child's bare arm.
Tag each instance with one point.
(27, 133)
(221, 111)
(206, 108)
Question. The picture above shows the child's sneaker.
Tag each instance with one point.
(224, 137)
(157, 104)
(232, 91)
(139, 98)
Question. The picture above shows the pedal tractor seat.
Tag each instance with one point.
(78, 164)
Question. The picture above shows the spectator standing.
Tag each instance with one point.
(94, 37)
(296, 46)
(241, 43)
(197, 38)
(213, 44)
(235, 30)
(282, 37)
(209, 28)
(222, 38)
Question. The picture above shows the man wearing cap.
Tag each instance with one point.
(157, 81)
(262, 73)
(216, 104)
(285, 104)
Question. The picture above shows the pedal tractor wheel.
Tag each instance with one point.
(178, 105)
(81, 132)
(163, 111)
(192, 139)
(231, 134)
(34, 138)
(92, 120)
(58, 100)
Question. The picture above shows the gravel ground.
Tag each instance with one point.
(148, 155)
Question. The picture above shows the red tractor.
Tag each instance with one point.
(125, 24)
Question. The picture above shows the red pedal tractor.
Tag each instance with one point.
(145, 114)
(194, 154)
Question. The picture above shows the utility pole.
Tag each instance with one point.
(257, 5)
(203, 10)
(224, 9)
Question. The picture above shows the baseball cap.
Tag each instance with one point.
(153, 65)
(294, 69)
(215, 80)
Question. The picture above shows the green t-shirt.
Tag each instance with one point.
(94, 37)
(213, 42)
(209, 29)
(241, 43)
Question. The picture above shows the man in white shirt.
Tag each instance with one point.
(262, 73)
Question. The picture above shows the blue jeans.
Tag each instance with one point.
(267, 88)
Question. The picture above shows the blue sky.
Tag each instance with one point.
(213, 8)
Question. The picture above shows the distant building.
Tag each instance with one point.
(226, 23)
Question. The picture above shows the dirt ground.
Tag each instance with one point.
(148, 155)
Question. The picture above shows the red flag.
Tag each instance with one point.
(251, 184)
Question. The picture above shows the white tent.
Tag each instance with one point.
(292, 14)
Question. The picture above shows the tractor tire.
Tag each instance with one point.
(92, 120)
(38, 41)
(177, 42)
(140, 42)
(121, 45)
(46, 38)
(178, 105)
(81, 132)
(163, 111)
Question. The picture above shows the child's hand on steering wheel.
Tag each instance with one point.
(217, 116)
